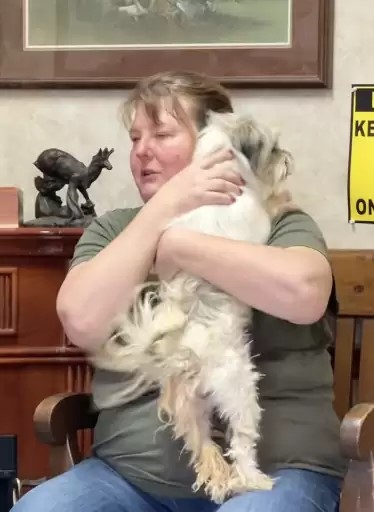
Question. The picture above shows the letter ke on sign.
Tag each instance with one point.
(364, 128)
(364, 103)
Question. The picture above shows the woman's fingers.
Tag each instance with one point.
(226, 172)
(211, 197)
(221, 185)
(214, 180)
(219, 156)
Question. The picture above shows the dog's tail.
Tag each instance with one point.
(145, 335)
(160, 322)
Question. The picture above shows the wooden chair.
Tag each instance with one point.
(61, 419)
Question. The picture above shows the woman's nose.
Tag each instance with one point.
(142, 149)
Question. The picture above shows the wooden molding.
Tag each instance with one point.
(40, 352)
(8, 301)
(42, 356)
(16, 361)
(37, 242)
(79, 377)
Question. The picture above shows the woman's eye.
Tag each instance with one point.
(162, 135)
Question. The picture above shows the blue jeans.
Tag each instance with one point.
(92, 486)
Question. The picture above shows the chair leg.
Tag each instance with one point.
(357, 493)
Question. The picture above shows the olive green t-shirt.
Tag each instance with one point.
(299, 427)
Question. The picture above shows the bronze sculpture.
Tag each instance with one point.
(60, 168)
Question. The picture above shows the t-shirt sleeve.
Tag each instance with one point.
(297, 228)
(100, 233)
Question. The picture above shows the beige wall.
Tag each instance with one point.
(314, 126)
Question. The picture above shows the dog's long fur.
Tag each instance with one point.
(191, 338)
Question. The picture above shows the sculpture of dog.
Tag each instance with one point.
(192, 339)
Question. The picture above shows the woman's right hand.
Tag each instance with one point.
(212, 180)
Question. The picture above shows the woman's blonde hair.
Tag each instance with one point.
(200, 91)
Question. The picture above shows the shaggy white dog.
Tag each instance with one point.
(192, 339)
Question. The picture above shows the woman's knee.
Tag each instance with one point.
(294, 490)
(81, 489)
(46, 497)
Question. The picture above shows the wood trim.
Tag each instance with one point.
(366, 381)
(12, 361)
(79, 378)
(8, 301)
(39, 242)
(43, 356)
(40, 352)
(343, 365)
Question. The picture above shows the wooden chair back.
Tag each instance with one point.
(353, 359)
(354, 344)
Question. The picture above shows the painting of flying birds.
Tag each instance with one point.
(114, 43)
(158, 22)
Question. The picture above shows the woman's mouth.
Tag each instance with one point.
(148, 174)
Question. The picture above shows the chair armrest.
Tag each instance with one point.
(357, 432)
(59, 416)
(357, 444)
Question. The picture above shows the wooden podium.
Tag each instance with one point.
(36, 359)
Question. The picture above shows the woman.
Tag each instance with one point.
(136, 467)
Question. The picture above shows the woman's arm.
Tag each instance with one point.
(94, 292)
(291, 283)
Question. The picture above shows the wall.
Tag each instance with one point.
(314, 125)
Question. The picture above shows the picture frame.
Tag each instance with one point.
(305, 62)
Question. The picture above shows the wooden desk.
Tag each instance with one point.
(35, 357)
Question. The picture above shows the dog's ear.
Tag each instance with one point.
(279, 166)
(283, 163)
(252, 149)
(256, 143)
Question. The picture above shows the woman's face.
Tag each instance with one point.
(159, 151)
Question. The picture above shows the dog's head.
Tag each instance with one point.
(269, 163)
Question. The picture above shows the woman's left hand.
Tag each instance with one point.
(164, 265)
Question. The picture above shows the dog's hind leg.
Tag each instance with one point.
(189, 414)
(234, 391)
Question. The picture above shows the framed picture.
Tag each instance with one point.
(113, 43)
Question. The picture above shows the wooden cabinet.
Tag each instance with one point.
(36, 359)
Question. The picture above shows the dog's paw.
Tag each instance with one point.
(253, 480)
(212, 473)
(114, 357)
(168, 321)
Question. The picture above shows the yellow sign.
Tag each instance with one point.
(361, 156)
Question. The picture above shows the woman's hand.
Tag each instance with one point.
(213, 180)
